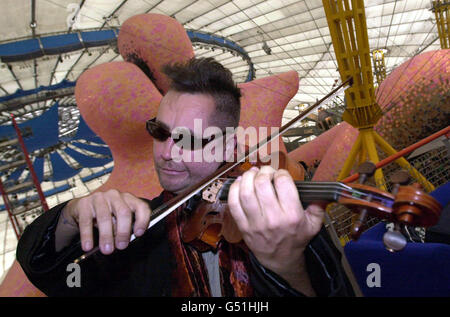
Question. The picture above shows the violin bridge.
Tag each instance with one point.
(211, 192)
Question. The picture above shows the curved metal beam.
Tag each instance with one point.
(49, 45)
(28, 47)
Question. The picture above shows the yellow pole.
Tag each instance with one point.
(441, 11)
(369, 145)
(403, 163)
(345, 171)
(362, 155)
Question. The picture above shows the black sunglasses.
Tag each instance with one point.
(159, 131)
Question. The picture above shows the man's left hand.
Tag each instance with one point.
(266, 207)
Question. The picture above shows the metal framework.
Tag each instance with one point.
(13, 210)
(433, 164)
(442, 13)
(348, 29)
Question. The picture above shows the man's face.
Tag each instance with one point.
(179, 110)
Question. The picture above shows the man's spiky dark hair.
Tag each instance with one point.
(206, 75)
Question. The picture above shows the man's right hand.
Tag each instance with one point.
(115, 214)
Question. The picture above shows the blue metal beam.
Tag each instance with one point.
(63, 43)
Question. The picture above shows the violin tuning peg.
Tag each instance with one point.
(358, 225)
(356, 231)
(366, 170)
(400, 177)
(394, 241)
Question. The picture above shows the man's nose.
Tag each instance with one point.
(166, 152)
(170, 151)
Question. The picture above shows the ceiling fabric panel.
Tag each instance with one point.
(86, 160)
(61, 169)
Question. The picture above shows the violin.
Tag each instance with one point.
(210, 220)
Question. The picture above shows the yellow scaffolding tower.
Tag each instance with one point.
(442, 13)
(347, 23)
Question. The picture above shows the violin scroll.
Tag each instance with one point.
(406, 205)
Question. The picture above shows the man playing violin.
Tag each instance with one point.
(285, 249)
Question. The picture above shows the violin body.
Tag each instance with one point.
(212, 220)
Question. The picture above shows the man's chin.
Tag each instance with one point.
(171, 188)
(172, 185)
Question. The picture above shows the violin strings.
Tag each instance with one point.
(315, 190)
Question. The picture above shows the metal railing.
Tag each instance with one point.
(433, 164)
